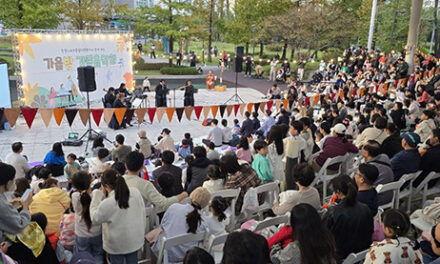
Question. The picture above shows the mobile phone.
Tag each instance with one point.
(25, 194)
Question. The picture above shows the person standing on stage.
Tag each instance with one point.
(188, 97)
(146, 84)
(161, 94)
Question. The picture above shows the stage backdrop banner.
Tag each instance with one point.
(49, 63)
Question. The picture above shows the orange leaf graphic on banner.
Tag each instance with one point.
(128, 80)
(24, 43)
(29, 93)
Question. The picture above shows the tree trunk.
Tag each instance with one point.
(283, 57)
(393, 28)
(436, 33)
(227, 8)
(211, 11)
(247, 49)
(413, 32)
(292, 53)
(261, 49)
(171, 40)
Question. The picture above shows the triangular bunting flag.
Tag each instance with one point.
(290, 104)
(119, 114)
(29, 115)
(206, 111)
(179, 112)
(229, 110)
(160, 111)
(222, 110)
(188, 112)
(278, 105)
(249, 107)
(214, 109)
(129, 115)
(70, 115)
(236, 107)
(46, 115)
(12, 115)
(84, 115)
(286, 103)
(269, 104)
(140, 114)
(170, 113)
(307, 101)
(262, 106)
(317, 98)
(2, 110)
(58, 114)
(198, 111)
(97, 114)
(108, 114)
(256, 107)
(242, 106)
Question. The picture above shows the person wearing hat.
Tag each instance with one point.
(166, 142)
(365, 177)
(173, 224)
(143, 145)
(336, 145)
(407, 160)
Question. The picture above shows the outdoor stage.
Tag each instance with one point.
(38, 140)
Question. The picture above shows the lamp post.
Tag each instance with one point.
(372, 20)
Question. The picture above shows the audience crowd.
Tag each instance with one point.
(101, 209)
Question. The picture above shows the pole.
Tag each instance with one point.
(433, 31)
(413, 32)
(372, 20)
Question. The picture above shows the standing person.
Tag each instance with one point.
(161, 94)
(139, 46)
(71, 167)
(152, 51)
(215, 51)
(179, 58)
(146, 84)
(275, 153)
(210, 80)
(17, 160)
(261, 163)
(121, 211)
(273, 70)
(301, 66)
(188, 97)
(248, 66)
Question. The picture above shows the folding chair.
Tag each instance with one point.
(323, 175)
(421, 224)
(351, 164)
(275, 221)
(408, 191)
(424, 186)
(215, 241)
(167, 243)
(392, 186)
(355, 257)
(269, 190)
(233, 194)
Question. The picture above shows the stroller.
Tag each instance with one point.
(280, 75)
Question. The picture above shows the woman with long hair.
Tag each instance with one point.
(55, 160)
(350, 221)
(121, 211)
(312, 241)
(87, 234)
(243, 152)
(276, 151)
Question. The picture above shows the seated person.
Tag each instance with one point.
(215, 181)
(430, 160)
(167, 184)
(196, 171)
(121, 151)
(407, 160)
(166, 142)
(245, 245)
(55, 160)
(303, 175)
(167, 159)
(184, 149)
(41, 174)
(364, 177)
(211, 153)
(97, 164)
(143, 145)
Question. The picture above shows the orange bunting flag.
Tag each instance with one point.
(160, 111)
(341, 94)
(170, 113)
(84, 115)
(58, 114)
(214, 110)
(119, 114)
(249, 107)
(286, 103)
(108, 114)
(188, 112)
(206, 110)
(46, 115)
(12, 114)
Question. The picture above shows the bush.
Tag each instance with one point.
(142, 66)
(275, 47)
(179, 70)
(331, 53)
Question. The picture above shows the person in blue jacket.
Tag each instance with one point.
(55, 160)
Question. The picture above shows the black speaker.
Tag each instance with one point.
(238, 60)
(239, 52)
(86, 79)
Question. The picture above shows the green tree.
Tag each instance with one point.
(84, 14)
(29, 13)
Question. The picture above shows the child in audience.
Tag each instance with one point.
(261, 163)
(243, 152)
(71, 168)
(188, 137)
(42, 173)
(217, 221)
(184, 149)
(215, 182)
(227, 132)
(236, 127)
(365, 176)
(96, 165)
(396, 247)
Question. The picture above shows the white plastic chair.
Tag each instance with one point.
(424, 189)
(421, 224)
(275, 221)
(324, 177)
(351, 163)
(392, 186)
(229, 193)
(355, 257)
(167, 243)
(215, 241)
(408, 191)
(270, 190)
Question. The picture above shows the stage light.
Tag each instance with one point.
(260, 60)
(48, 36)
(294, 61)
(79, 36)
(67, 36)
(95, 36)
(58, 36)
(268, 61)
(87, 36)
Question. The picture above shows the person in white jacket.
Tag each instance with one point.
(121, 211)
(425, 127)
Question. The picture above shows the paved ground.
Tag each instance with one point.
(39, 139)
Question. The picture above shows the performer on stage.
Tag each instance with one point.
(109, 97)
(210, 80)
(123, 89)
(188, 97)
(161, 94)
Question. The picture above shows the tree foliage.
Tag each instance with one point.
(85, 14)
(29, 13)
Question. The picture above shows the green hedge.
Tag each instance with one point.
(179, 70)
(142, 66)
